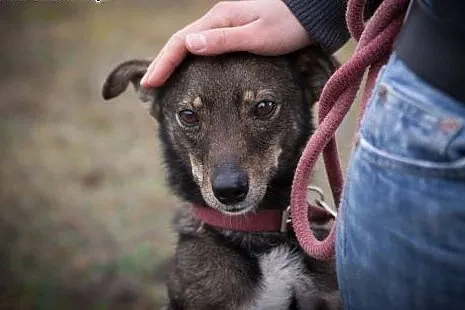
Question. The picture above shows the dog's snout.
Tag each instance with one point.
(230, 184)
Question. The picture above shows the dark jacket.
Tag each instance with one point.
(431, 42)
(324, 20)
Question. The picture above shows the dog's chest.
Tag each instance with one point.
(282, 271)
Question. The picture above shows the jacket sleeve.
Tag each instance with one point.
(324, 20)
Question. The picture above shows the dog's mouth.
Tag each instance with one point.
(236, 211)
(249, 204)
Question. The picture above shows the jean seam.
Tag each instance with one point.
(342, 235)
(380, 158)
(404, 96)
(410, 103)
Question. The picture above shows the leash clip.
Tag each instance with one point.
(320, 201)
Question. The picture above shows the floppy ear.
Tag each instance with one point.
(314, 68)
(130, 71)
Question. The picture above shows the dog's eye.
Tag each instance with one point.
(265, 109)
(188, 117)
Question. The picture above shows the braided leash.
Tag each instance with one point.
(375, 39)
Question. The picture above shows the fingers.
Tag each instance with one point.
(220, 16)
(210, 42)
(167, 60)
(220, 40)
(264, 27)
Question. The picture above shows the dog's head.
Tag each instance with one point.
(233, 126)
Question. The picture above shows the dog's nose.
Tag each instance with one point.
(230, 184)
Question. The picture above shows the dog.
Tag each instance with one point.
(232, 128)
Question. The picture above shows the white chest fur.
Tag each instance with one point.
(282, 270)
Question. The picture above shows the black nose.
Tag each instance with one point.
(230, 184)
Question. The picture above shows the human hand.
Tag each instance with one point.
(264, 27)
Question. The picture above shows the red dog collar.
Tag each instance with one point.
(270, 220)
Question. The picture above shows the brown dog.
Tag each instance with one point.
(233, 128)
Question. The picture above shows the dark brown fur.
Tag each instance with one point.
(213, 268)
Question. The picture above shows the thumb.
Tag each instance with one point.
(218, 41)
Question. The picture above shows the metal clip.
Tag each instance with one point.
(320, 201)
(324, 205)
(285, 219)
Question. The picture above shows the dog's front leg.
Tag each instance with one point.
(209, 274)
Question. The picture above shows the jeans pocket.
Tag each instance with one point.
(402, 130)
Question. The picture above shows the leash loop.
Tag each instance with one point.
(375, 40)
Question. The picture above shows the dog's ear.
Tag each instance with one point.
(314, 67)
(130, 71)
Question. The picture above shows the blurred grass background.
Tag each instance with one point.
(84, 210)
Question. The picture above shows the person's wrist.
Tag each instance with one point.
(324, 21)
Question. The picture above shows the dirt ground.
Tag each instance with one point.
(84, 210)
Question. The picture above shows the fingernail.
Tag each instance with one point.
(196, 42)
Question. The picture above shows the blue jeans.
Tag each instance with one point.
(401, 228)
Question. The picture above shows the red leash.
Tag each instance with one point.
(375, 39)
